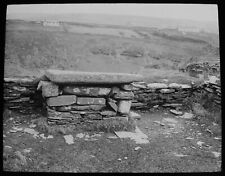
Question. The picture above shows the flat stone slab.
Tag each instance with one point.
(88, 101)
(124, 95)
(62, 76)
(124, 106)
(62, 100)
(86, 91)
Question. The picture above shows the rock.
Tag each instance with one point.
(86, 91)
(160, 123)
(134, 115)
(108, 113)
(124, 106)
(187, 116)
(141, 85)
(80, 108)
(129, 87)
(93, 116)
(124, 118)
(216, 154)
(49, 89)
(31, 131)
(165, 91)
(157, 86)
(69, 139)
(62, 76)
(209, 90)
(136, 105)
(87, 101)
(61, 100)
(176, 112)
(112, 104)
(80, 135)
(124, 95)
(174, 105)
(174, 85)
(137, 148)
(185, 86)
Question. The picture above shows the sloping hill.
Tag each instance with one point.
(32, 48)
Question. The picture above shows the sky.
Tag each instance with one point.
(200, 12)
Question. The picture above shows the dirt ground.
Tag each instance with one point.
(175, 145)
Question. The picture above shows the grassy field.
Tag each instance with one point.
(31, 48)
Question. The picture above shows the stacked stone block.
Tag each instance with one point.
(20, 95)
(79, 101)
(147, 95)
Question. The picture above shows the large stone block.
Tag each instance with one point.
(87, 101)
(124, 106)
(62, 100)
(124, 95)
(48, 88)
(62, 76)
(86, 91)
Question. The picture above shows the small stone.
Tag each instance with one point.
(216, 154)
(189, 138)
(165, 91)
(185, 86)
(87, 101)
(129, 87)
(49, 89)
(137, 148)
(108, 113)
(27, 150)
(112, 104)
(61, 100)
(80, 135)
(69, 139)
(124, 95)
(156, 106)
(200, 143)
(125, 158)
(124, 106)
(176, 112)
(119, 159)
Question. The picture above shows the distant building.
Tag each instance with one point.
(51, 23)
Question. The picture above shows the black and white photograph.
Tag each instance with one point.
(112, 88)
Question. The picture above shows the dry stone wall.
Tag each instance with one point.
(75, 97)
(20, 95)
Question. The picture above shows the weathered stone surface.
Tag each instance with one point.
(93, 116)
(88, 101)
(124, 106)
(49, 89)
(157, 86)
(174, 85)
(165, 91)
(61, 100)
(209, 90)
(108, 113)
(129, 87)
(172, 105)
(185, 86)
(112, 104)
(176, 112)
(141, 85)
(80, 108)
(62, 76)
(86, 91)
(124, 95)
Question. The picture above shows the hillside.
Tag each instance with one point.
(31, 48)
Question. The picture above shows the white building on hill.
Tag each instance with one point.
(51, 23)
